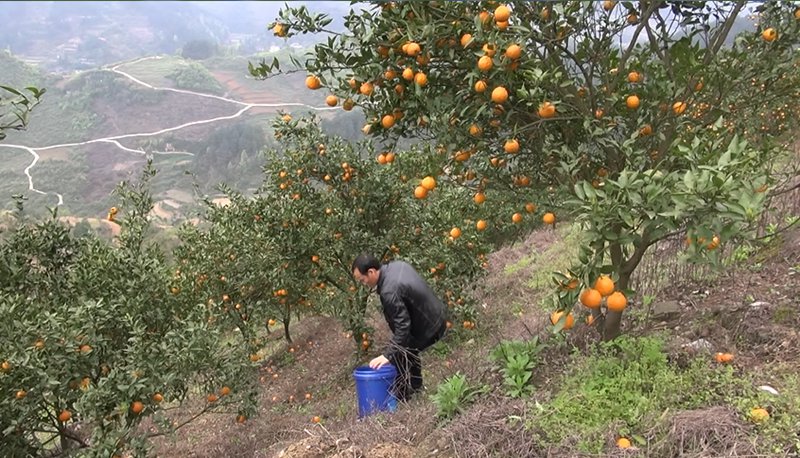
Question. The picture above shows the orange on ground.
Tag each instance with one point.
(623, 442)
(759, 414)
(723, 357)
(137, 407)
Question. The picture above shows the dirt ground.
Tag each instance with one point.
(749, 310)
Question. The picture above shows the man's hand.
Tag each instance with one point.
(378, 362)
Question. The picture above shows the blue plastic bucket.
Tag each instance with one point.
(373, 389)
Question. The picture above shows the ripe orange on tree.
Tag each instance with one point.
(455, 232)
(556, 316)
(514, 52)
(313, 82)
(516, 218)
(616, 302)
(480, 225)
(769, 34)
(332, 100)
(429, 183)
(604, 285)
(632, 102)
(591, 298)
(485, 63)
(479, 198)
(64, 416)
(502, 14)
(634, 77)
(480, 86)
(511, 146)
(549, 218)
(547, 110)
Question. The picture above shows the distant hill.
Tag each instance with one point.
(70, 35)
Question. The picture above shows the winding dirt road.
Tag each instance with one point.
(114, 140)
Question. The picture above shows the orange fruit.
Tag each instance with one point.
(530, 207)
(489, 49)
(502, 14)
(548, 218)
(479, 198)
(556, 316)
(598, 113)
(312, 82)
(331, 100)
(514, 52)
(633, 19)
(547, 110)
(632, 102)
(455, 232)
(516, 218)
(21, 394)
(679, 107)
(366, 88)
(591, 298)
(714, 244)
(241, 419)
(485, 63)
(421, 79)
(279, 30)
(408, 74)
(390, 157)
(634, 77)
(429, 183)
(623, 442)
(157, 398)
(480, 86)
(412, 49)
(212, 398)
(723, 357)
(225, 391)
(797, 14)
(465, 39)
(315, 419)
(499, 94)
(64, 416)
(511, 146)
(308, 396)
(387, 121)
(5, 366)
(389, 74)
(420, 192)
(759, 414)
(475, 131)
(616, 302)
(604, 285)
(646, 130)
(769, 35)
(480, 225)
(502, 25)
(137, 407)
(608, 5)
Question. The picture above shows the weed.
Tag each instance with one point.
(454, 394)
(517, 360)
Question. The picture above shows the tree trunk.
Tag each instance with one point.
(613, 321)
(287, 318)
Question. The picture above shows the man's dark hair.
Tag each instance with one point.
(364, 262)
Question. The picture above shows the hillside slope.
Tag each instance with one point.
(695, 406)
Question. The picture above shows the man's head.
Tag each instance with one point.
(367, 269)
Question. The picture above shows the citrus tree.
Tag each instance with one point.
(639, 119)
(93, 340)
(287, 250)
